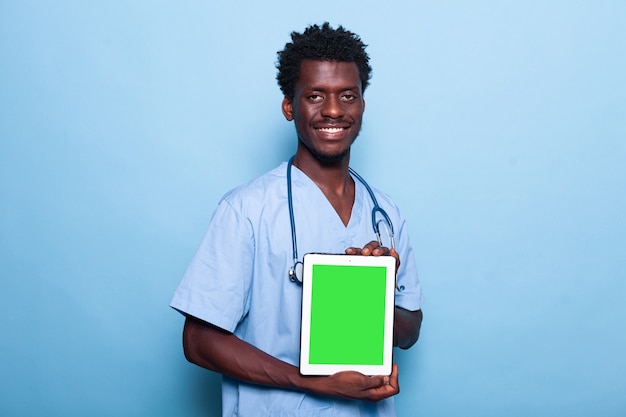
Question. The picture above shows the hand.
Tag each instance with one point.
(354, 385)
(374, 249)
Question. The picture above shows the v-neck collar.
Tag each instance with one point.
(357, 205)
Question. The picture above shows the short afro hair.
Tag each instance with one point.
(321, 44)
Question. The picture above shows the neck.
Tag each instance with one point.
(331, 177)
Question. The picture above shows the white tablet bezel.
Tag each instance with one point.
(308, 281)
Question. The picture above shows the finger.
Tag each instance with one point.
(380, 251)
(390, 387)
(393, 378)
(373, 382)
(353, 251)
(393, 253)
(391, 381)
(369, 248)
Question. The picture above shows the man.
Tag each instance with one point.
(242, 310)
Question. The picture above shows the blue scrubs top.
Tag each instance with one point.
(238, 280)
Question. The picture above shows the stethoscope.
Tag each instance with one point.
(295, 271)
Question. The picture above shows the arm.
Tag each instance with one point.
(406, 327)
(223, 352)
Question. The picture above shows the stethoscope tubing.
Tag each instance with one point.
(375, 224)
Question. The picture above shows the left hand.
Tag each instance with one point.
(374, 249)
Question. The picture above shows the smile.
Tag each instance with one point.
(331, 129)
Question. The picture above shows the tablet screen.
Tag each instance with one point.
(347, 314)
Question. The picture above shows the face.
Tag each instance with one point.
(327, 108)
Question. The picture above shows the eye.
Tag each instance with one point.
(347, 96)
(315, 98)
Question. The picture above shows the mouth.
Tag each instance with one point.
(332, 129)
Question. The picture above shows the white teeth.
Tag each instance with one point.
(331, 129)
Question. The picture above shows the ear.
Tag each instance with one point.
(287, 107)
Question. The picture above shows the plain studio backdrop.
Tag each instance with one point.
(499, 127)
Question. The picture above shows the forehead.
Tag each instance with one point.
(329, 75)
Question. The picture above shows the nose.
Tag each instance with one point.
(332, 107)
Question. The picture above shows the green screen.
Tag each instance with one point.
(347, 315)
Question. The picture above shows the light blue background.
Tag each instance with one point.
(498, 126)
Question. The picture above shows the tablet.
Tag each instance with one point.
(347, 314)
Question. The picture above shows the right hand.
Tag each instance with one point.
(354, 385)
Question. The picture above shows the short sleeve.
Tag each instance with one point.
(216, 284)
(409, 293)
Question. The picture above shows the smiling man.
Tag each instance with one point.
(241, 296)
(327, 107)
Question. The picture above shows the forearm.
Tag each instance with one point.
(406, 328)
(223, 352)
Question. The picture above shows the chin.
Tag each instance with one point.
(331, 159)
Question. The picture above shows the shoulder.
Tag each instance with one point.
(261, 190)
(384, 199)
(386, 202)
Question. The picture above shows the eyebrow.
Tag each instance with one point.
(314, 88)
